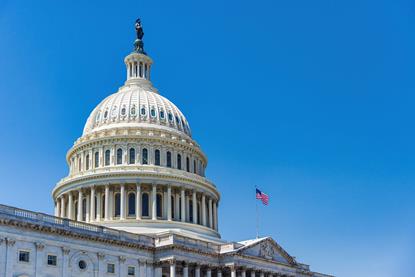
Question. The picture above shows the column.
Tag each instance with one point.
(203, 210)
(88, 207)
(99, 206)
(80, 206)
(58, 207)
(169, 203)
(208, 272)
(63, 206)
(158, 271)
(92, 201)
(138, 202)
(261, 274)
(154, 202)
(185, 270)
(70, 206)
(197, 271)
(183, 199)
(210, 213)
(10, 256)
(243, 273)
(39, 260)
(219, 273)
(122, 202)
(215, 215)
(252, 273)
(177, 207)
(194, 201)
(143, 269)
(64, 266)
(173, 268)
(107, 199)
(233, 271)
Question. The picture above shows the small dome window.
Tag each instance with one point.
(153, 112)
(133, 110)
(106, 114)
(123, 110)
(143, 110)
(162, 115)
(170, 116)
(178, 122)
(98, 116)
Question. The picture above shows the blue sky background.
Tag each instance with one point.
(313, 101)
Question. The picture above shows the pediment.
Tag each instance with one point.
(267, 249)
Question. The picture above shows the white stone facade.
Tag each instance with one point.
(136, 202)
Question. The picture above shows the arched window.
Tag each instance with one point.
(141, 69)
(190, 210)
(75, 203)
(95, 207)
(187, 164)
(87, 162)
(199, 214)
(207, 212)
(179, 161)
(84, 209)
(145, 156)
(119, 156)
(107, 157)
(144, 205)
(131, 204)
(194, 166)
(168, 159)
(96, 159)
(79, 165)
(157, 157)
(143, 111)
(172, 207)
(159, 203)
(117, 204)
(103, 206)
(132, 156)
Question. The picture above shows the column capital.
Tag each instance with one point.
(172, 262)
(122, 259)
(101, 256)
(65, 250)
(39, 246)
(10, 242)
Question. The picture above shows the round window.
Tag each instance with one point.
(82, 264)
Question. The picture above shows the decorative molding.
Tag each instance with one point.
(39, 246)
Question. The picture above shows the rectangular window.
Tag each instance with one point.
(110, 268)
(24, 256)
(131, 271)
(52, 260)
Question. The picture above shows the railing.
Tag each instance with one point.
(75, 225)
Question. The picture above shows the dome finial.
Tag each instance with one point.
(138, 43)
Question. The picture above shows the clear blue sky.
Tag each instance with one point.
(313, 101)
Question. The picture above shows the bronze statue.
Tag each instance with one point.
(139, 29)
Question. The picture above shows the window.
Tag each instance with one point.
(110, 268)
(145, 71)
(145, 156)
(177, 122)
(123, 111)
(119, 156)
(52, 260)
(179, 161)
(96, 159)
(117, 208)
(98, 116)
(194, 166)
(191, 210)
(172, 206)
(79, 165)
(162, 115)
(159, 201)
(131, 204)
(106, 114)
(157, 157)
(153, 112)
(170, 116)
(131, 271)
(187, 164)
(168, 159)
(141, 69)
(107, 157)
(144, 204)
(84, 209)
(24, 256)
(102, 206)
(87, 162)
(133, 111)
(132, 156)
(143, 110)
(82, 264)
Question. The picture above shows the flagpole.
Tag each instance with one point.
(257, 215)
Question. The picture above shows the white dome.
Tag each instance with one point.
(136, 106)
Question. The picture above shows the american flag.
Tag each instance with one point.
(262, 196)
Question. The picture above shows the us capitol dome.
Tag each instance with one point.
(136, 167)
(136, 201)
